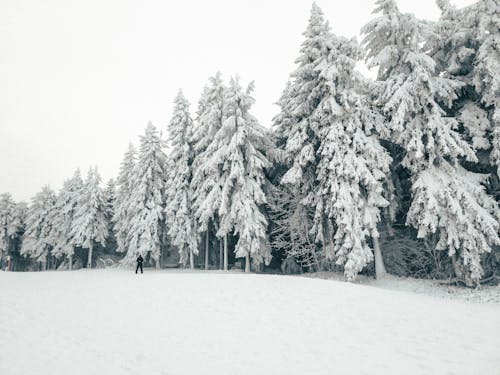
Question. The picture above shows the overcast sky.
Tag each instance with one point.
(79, 80)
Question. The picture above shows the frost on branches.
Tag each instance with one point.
(353, 165)
(205, 182)
(451, 202)
(238, 153)
(298, 137)
(63, 219)
(90, 224)
(294, 127)
(8, 225)
(465, 44)
(145, 214)
(181, 222)
(121, 206)
(412, 96)
(36, 241)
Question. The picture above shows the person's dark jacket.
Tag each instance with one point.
(140, 259)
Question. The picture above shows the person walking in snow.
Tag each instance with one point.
(140, 259)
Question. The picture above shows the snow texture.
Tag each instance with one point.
(115, 322)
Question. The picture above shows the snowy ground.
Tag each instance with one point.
(173, 322)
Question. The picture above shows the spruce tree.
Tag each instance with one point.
(208, 122)
(298, 134)
(414, 99)
(145, 214)
(90, 225)
(36, 239)
(239, 153)
(180, 219)
(110, 197)
(63, 219)
(353, 165)
(8, 229)
(121, 205)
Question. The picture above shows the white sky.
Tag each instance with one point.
(79, 80)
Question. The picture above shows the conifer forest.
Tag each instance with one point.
(394, 175)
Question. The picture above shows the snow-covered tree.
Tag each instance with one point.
(8, 229)
(63, 219)
(36, 239)
(110, 197)
(146, 209)
(291, 223)
(90, 224)
(122, 202)
(465, 44)
(204, 180)
(180, 219)
(297, 134)
(353, 165)
(487, 67)
(238, 152)
(413, 98)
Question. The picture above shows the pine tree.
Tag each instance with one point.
(465, 44)
(208, 122)
(486, 77)
(8, 228)
(68, 200)
(36, 239)
(238, 152)
(90, 225)
(122, 202)
(298, 135)
(110, 197)
(180, 220)
(353, 165)
(412, 97)
(146, 210)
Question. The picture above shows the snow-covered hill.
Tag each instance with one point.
(115, 322)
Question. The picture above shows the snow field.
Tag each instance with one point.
(173, 322)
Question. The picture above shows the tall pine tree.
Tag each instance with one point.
(122, 202)
(180, 219)
(414, 98)
(238, 152)
(147, 199)
(204, 181)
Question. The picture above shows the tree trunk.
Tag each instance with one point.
(247, 263)
(461, 273)
(89, 260)
(390, 230)
(379, 261)
(225, 253)
(70, 258)
(206, 251)
(191, 259)
(220, 255)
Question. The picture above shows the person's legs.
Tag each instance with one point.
(137, 268)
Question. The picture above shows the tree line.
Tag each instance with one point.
(358, 175)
